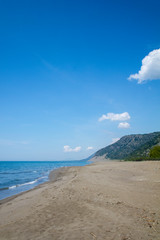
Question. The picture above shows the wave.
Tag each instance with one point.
(23, 184)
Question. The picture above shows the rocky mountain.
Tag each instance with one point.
(131, 147)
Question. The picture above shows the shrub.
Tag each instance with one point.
(155, 152)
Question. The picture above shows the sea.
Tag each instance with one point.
(20, 176)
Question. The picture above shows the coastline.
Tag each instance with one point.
(31, 175)
(54, 175)
(109, 200)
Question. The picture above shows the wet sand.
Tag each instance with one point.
(104, 200)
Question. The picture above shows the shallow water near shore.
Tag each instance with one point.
(20, 176)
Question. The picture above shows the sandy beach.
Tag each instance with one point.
(104, 200)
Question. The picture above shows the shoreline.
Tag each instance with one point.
(6, 199)
(50, 179)
(112, 200)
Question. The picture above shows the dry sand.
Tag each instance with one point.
(104, 200)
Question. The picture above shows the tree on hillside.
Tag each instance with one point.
(155, 152)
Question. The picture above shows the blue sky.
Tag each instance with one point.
(64, 64)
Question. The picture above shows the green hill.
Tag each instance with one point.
(131, 147)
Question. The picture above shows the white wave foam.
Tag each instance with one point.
(12, 187)
(27, 183)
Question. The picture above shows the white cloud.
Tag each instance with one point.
(124, 125)
(150, 69)
(89, 148)
(115, 140)
(69, 149)
(115, 117)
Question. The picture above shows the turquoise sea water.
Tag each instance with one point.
(17, 176)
